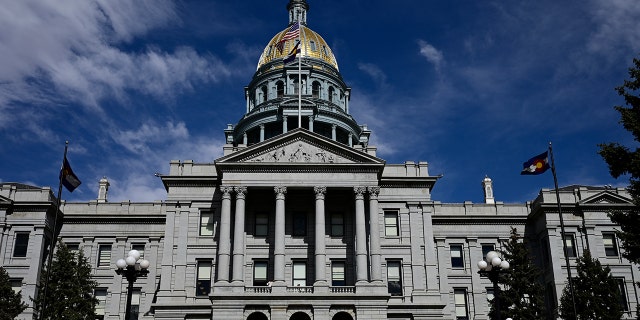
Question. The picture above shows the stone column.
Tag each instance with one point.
(333, 132)
(350, 140)
(244, 138)
(278, 265)
(284, 124)
(321, 254)
(238, 236)
(374, 230)
(261, 132)
(224, 241)
(311, 123)
(361, 236)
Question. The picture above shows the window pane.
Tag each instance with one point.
(16, 285)
(206, 224)
(337, 274)
(623, 294)
(260, 270)
(486, 248)
(299, 224)
(460, 298)
(204, 270)
(571, 250)
(610, 246)
(21, 245)
(139, 248)
(457, 260)
(101, 295)
(262, 224)
(391, 224)
(104, 255)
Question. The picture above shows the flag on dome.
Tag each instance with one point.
(536, 165)
(292, 33)
(68, 179)
(292, 55)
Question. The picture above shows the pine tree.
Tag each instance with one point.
(623, 161)
(70, 288)
(523, 296)
(11, 304)
(596, 293)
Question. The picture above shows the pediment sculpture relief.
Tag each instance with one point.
(299, 153)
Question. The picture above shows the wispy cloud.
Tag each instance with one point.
(373, 71)
(432, 54)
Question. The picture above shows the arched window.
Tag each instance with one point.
(280, 89)
(312, 44)
(332, 92)
(324, 50)
(342, 316)
(269, 51)
(300, 316)
(257, 316)
(295, 86)
(263, 89)
(315, 90)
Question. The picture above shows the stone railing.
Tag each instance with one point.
(257, 289)
(343, 289)
(300, 289)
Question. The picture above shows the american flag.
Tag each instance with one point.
(292, 33)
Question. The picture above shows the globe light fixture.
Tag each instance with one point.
(132, 267)
(492, 267)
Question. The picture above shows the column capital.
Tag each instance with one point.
(241, 192)
(262, 126)
(320, 191)
(359, 191)
(226, 191)
(373, 192)
(280, 191)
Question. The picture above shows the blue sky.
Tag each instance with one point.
(474, 88)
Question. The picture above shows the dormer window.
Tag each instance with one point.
(312, 44)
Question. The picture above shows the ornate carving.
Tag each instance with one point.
(280, 191)
(241, 192)
(359, 191)
(373, 192)
(299, 153)
(320, 192)
(226, 192)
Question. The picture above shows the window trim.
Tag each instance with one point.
(462, 292)
(454, 264)
(622, 287)
(20, 249)
(100, 262)
(612, 247)
(203, 280)
(394, 264)
(337, 265)
(298, 280)
(570, 251)
(393, 215)
(335, 226)
(207, 229)
(100, 306)
(260, 282)
(265, 225)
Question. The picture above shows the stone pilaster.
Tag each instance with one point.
(224, 241)
(238, 236)
(278, 265)
(361, 236)
(321, 254)
(374, 229)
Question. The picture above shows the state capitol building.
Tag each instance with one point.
(300, 220)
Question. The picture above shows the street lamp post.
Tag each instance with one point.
(492, 268)
(132, 268)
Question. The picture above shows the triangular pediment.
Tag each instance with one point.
(300, 146)
(4, 201)
(606, 197)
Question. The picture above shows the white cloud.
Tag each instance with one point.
(74, 48)
(618, 22)
(375, 73)
(432, 54)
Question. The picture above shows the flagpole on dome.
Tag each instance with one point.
(562, 230)
(300, 73)
(71, 182)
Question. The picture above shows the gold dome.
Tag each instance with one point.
(313, 46)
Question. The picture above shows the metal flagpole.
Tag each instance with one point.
(300, 74)
(55, 236)
(562, 232)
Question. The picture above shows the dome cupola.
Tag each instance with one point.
(306, 90)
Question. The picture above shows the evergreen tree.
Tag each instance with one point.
(623, 161)
(70, 288)
(11, 304)
(596, 293)
(523, 296)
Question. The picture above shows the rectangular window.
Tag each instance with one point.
(337, 224)
(260, 273)
(21, 244)
(391, 223)
(140, 248)
(299, 224)
(16, 285)
(135, 304)
(203, 278)
(394, 278)
(460, 296)
(73, 247)
(104, 255)
(623, 294)
(457, 260)
(486, 248)
(570, 249)
(337, 274)
(610, 244)
(299, 274)
(262, 224)
(206, 223)
(101, 295)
